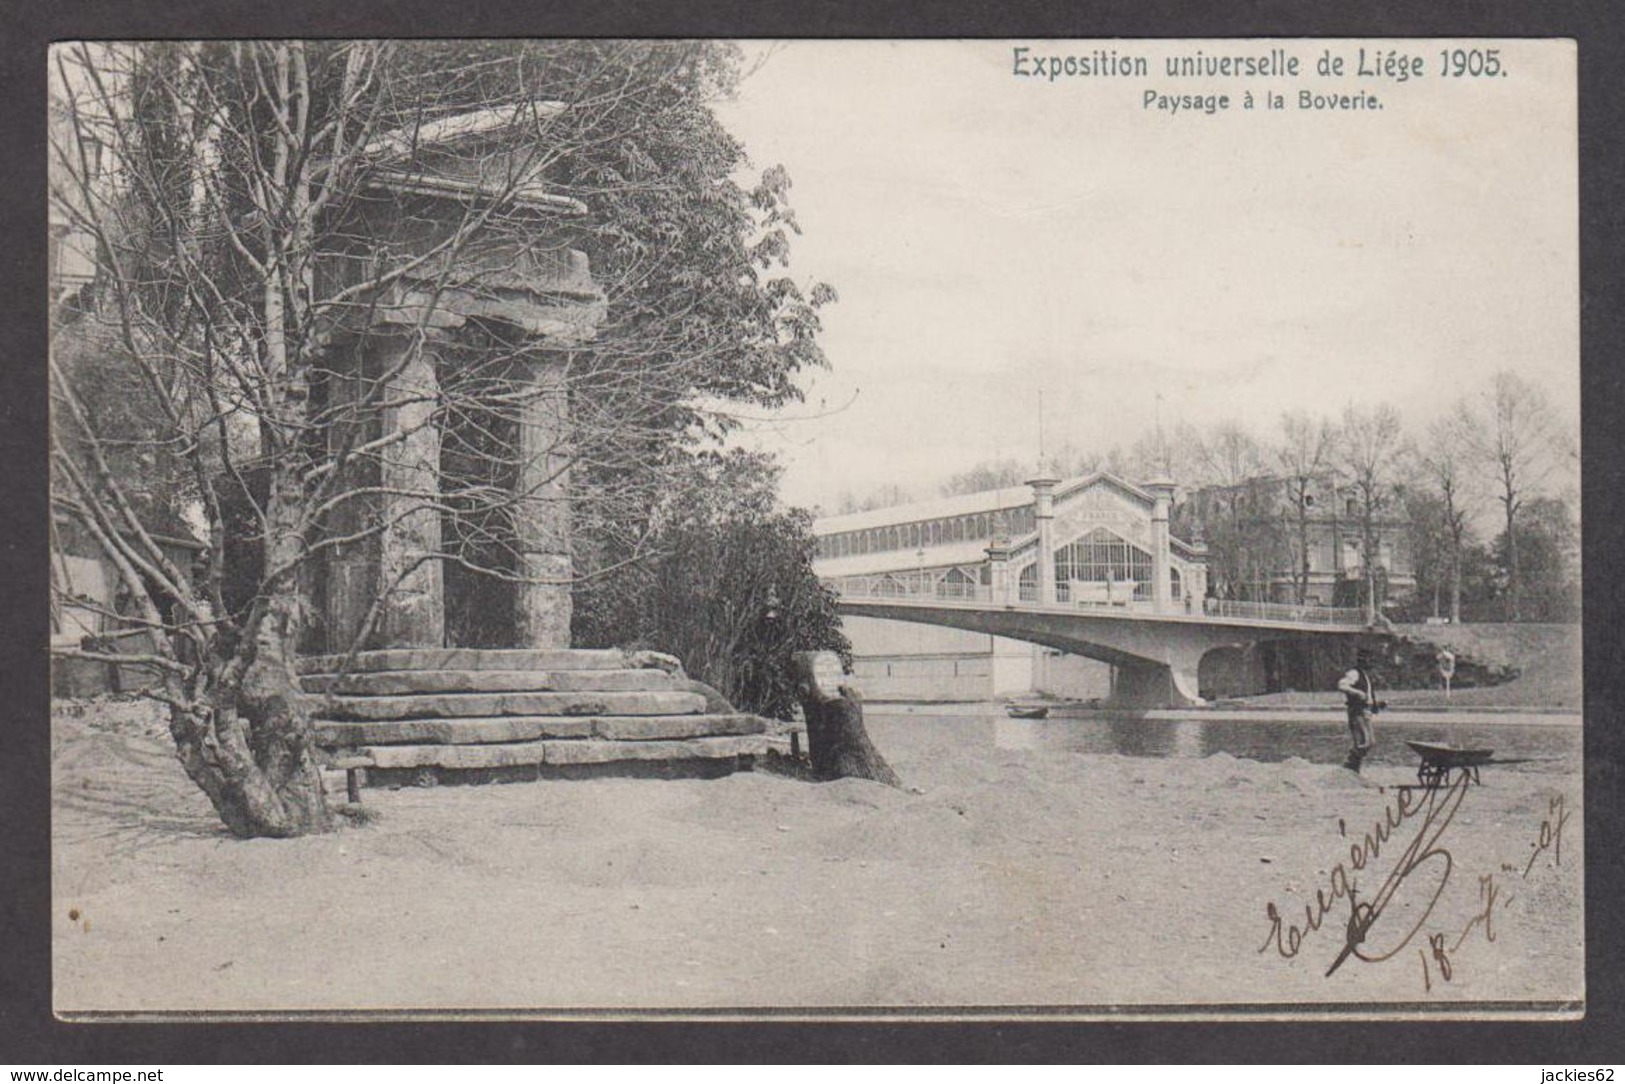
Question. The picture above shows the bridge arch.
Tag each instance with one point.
(1158, 657)
(1088, 566)
(1225, 670)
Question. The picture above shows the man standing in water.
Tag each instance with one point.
(1361, 699)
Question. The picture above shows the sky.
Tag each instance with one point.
(993, 237)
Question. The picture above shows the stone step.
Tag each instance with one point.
(463, 705)
(518, 754)
(519, 728)
(412, 682)
(467, 658)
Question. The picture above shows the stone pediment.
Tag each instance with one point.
(1103, 501)
(439, 261)
(1093, 488)
(499, 152)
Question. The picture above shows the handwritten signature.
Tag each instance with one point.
(1423, 864)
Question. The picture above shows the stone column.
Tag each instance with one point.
(409, 474)
(406, 478)
(349, 569)
(542, 510)
(1044, 518)
(1162, 594)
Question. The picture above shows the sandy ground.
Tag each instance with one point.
(1018, 877)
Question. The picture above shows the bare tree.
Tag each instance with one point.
(1175, 454)
(1513, 433)
(359, 316)
(1441, 465)
(989, 474)
(883, 496)
(1231, 462)
(1302, 457)
(1368, 452)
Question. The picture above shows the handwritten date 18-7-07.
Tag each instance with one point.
(1423, 865)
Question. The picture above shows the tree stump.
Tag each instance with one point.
(837, 742)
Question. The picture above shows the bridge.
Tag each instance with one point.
(1155, 647)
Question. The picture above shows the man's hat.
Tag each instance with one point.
(1362, 656)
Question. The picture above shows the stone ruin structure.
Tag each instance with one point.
(425, 700)
(462, 291)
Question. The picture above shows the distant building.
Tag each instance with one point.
(92, 605)
(1105, 541)
(70, 244)
(1252, 531)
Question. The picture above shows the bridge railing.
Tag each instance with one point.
(1339, 616)
(910, 586)
(925, 588)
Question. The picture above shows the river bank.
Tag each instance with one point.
(1243, 711)
(1020, 875)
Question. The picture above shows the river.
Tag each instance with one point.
(1528, 745)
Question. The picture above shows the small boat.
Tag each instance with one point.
(1027, 711)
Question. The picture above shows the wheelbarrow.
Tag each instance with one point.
(1439, 761)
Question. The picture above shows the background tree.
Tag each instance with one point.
(698, 300)
(1231, 460)
(883, 496)
(988, 474)
(1441, 470)
(1302, 458)
(1434, 560)
(1548, 543)
(727, 586)
(1069, 460)
(1513, 433)
(234, 207)
(1367, 456)
(1174, 453)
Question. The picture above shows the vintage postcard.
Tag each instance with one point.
(815, 529)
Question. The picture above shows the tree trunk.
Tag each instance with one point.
(836, 739)
(1513, 586)
(249, 748)
(249, 745)
(838, 743)
(1368, 544)
(1455, 581)
(1303, 552)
